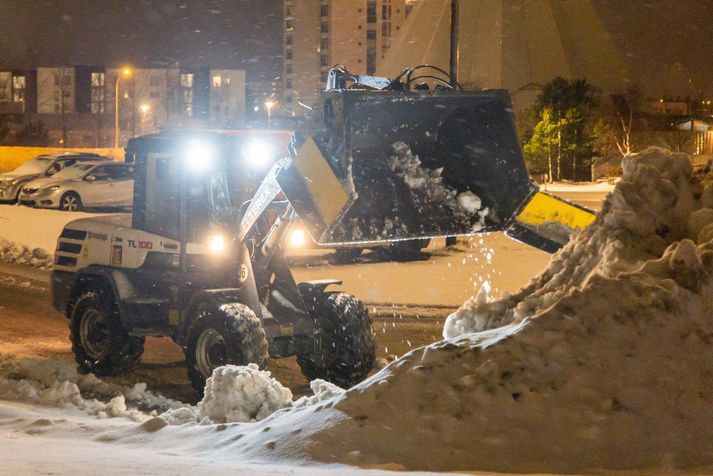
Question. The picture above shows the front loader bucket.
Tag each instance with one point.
(420, 163)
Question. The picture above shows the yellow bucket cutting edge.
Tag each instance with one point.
(545, 208)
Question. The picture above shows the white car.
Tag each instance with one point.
(85, 185)
(41, 166)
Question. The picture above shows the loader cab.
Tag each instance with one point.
(180, 189)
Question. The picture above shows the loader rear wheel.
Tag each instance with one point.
(231, 334)
(347, 347)
(99, 342)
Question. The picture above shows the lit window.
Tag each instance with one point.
(97, 99)
(18, 88)
(217, 81)
(187, 80)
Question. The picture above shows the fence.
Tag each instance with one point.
(12, 157)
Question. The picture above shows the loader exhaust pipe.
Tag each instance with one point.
(454, 42)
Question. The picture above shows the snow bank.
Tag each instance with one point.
(232, 394)
(602, 361)
(57, 384)
(14, 253)
(580, 186)
(29, 235)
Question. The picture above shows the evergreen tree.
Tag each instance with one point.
(562, 136)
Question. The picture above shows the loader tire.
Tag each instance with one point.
(347, 347)
(230, 334)
(100, 343)
(407, 250)
(346, 255)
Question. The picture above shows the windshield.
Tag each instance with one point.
(33, 166)
(75, 171)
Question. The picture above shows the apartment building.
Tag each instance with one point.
(321, 33)
(77, 104)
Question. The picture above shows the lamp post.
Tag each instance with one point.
(126, 72)
(269, 104)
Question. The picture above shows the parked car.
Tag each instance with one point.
(84, 185)
(42, 166)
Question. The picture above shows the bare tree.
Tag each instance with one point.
(623, 138)
(627, 106)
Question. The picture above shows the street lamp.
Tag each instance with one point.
(269, 104)
(125, 72)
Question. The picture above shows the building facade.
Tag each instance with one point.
(321, 33)
(77, 104)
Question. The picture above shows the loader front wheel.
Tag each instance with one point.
(99, 342)
(230, 334)
(346, 349)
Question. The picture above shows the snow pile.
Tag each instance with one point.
(603, 361)
(655, 205)
(13, 253)
(242, 393)
(239, 394)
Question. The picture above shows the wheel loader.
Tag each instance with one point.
(410, 158)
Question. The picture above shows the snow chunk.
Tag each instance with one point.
(469, 201)
(242, 393)
(322, 391)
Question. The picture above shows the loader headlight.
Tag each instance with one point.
(297, 238)
(198, 156)
(217, 243)
(258, 154)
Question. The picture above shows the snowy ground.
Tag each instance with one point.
(41, 438)
(578, 187)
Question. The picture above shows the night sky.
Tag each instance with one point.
(218, 33)
(669, 43)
